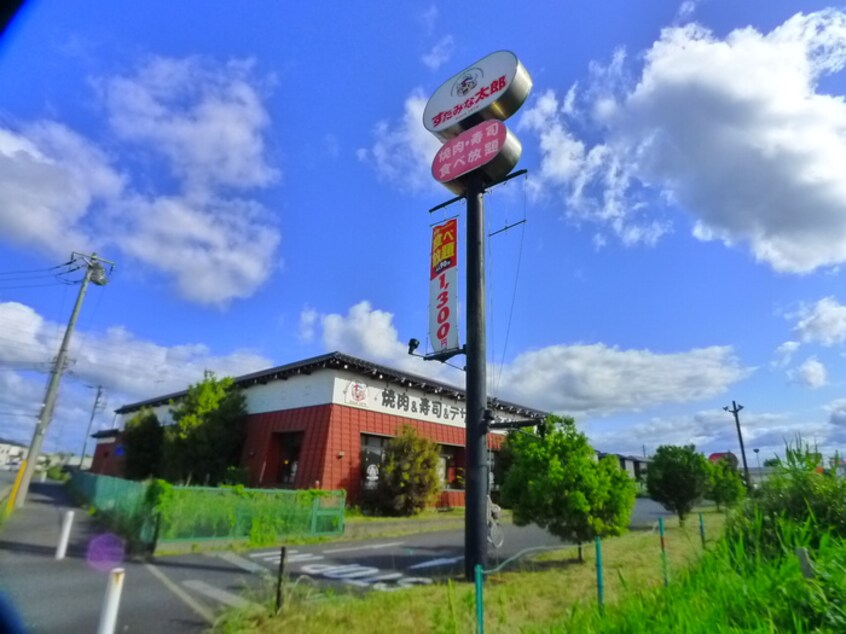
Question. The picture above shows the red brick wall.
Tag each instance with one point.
(345, 429)
(261, 453)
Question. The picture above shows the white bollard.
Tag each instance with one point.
(108, 616)
(43, 476)
(67, 523)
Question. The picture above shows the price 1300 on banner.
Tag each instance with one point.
(443, 322)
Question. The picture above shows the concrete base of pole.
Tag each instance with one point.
(67, 523)
(111, 602)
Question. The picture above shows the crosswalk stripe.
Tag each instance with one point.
(219, 595)
(244, 564)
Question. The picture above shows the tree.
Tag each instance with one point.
(408, 478)
(676, 478)
(724, 486)
(208, 431)
(772, 462)
(556, 482)
(142, 439)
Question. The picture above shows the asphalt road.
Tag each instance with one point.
(185, 593)
(386, 564)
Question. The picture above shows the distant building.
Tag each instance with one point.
(324, 422)
(716, 457)
(108, 453)
(11, 451)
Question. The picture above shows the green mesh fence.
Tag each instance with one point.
(262, 516)
(172, 513)
(121, 501)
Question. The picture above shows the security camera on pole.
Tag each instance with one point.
(466, 113)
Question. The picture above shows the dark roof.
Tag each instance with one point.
(341, 361)
(14, 443)
(106, 433)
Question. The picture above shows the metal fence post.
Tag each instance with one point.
(279, 577)
(702, 529)
(663, 552)
(600, 585)
(480, 601)
(315, 506)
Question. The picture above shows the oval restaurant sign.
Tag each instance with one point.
(489, 147)
(493, 88)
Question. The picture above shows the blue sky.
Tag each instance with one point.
(260, 175)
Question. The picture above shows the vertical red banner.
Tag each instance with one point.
(443, 290)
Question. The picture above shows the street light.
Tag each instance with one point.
(757, 457)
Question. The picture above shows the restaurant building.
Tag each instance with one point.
(324, 422)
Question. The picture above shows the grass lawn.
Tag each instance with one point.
(354, 516)
(531, 599)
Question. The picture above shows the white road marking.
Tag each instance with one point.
(272, 553)
(222, 596)
(432, 563)
(244, 564)
(304, 557)
(371, 547)
(366, 583)
(206, 614)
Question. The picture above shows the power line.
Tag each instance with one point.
(24, 271)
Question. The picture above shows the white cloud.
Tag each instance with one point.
(714, 430)
(735, 131)
(370, 333)
(440, 53)
(784, 353)
(308, 322)
(686, 10)
(402, 152)
(599, 379)
(215, 248)
(823, 323)
(127, 367)
(114, 358)
(60, 192)
(428, 18)
(811, 373)
(206, 120)
(50, 178)
(569, 379)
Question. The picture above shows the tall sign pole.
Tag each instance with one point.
(466, 114)
(476, 439)
(94, 273)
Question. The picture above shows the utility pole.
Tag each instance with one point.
(90, 422)
(95, 273)
(735, 409)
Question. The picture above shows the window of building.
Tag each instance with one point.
(372, 452)
(451, 475)
(289, 456)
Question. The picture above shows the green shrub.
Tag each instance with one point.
(55, 473)
(798, 492)
(724, 485)
(676, 478)
(408, 477)
(556, 482)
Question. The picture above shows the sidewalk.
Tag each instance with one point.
(66, 596)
